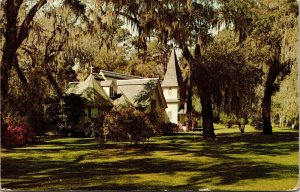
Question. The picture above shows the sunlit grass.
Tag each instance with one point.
(182, 161)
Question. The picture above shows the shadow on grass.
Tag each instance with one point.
(136, 161)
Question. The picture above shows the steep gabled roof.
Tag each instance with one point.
(91, 91)
(173, 77)
(138, 92)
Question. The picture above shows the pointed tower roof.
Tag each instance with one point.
(91, 91)
(173, 77)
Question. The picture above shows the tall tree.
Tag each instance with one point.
(184, 22)
(232, 75)
(270, 28)
(19, 16)
(15, 33)
(276, 26)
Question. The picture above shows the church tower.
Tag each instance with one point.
(171, 88)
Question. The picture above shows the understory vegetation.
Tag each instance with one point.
(239, 66)
(236, 57)
(128, 124)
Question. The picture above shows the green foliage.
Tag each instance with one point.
(169, 128)
(64, 113)
(256, 122)
(151, 62)
(229, 120)
(129, 124)
(285, 103)
(94, 127)
(233, 77)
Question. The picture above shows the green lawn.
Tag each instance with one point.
(182, 161)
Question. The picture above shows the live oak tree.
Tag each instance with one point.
(35, 49)
(16, 31)
(276, 33)
(185, 23)
(232, 75)
(266, 35)
(270, 29)
(18, 18)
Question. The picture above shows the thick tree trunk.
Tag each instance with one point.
(9, 50)
(189, 102)
(266, 113)
(202, 82)
(266, 103)
(14, 36)
(207, 116)
(5, 73)
(274, 70)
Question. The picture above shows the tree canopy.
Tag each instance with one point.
(236, 54)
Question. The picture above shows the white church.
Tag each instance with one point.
(105, 90)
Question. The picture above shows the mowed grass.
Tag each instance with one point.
(178, 162)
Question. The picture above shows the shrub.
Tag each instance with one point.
(94, 127)
(169, 128)
(129, 124)
(257, 122)
(64, 113)
(18, 133)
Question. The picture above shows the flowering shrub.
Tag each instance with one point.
(18, 133)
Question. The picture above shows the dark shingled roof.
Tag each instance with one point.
(173, 77)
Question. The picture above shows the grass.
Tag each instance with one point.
(182, 161)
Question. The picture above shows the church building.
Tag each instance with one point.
(105, 90)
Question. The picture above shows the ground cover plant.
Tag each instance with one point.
(180, 161)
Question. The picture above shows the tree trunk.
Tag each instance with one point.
(274, 70)
(5, 73)
(266, 113)
(189, 102)
(280, 120)
(202, 81)
(266, 103)
(14, 36)
(207, 116)
(52, 81)
(9, 50)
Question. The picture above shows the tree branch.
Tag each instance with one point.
(24, 29)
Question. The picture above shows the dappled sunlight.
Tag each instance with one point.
(179, 161)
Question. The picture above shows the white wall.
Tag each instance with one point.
(106, 89)
(172, 112)
(170, 93)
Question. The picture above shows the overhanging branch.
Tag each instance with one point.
(23, 31)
